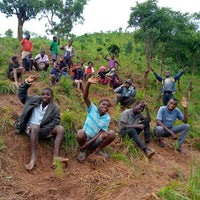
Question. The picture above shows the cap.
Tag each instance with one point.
(129, 81)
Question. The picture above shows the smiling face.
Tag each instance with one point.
(167, 74)
(171, 104)
(103, 107)
(46, 96)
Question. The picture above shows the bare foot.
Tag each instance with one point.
(30, 165)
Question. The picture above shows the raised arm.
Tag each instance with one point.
(105, 57)
(92, 80)
(184, 104)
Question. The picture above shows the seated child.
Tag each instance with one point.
(89, 70)
(102, 73)
(15, 71)
(43, 61)
(116, 81)
(56, 74)
(29, 61)
(78, 77)
(63, 65)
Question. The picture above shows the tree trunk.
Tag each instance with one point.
(148, 58)
(190, 88)
(20, 28)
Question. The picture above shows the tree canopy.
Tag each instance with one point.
(24, 10)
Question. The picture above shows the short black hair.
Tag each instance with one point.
(54, 37)
(174, 99)
(14, 58)
(105, 100)
(49, 89)
(90, 62)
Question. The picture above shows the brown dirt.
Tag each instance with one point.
(96, 178)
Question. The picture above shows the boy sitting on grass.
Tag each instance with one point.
(40, 119)
(56, 74)
(95, 135)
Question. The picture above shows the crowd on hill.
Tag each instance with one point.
(41, 116)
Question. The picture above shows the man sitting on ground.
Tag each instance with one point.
(95, 135)
(15, 71)
(130, 126)
(40, 119)
(126, 94)
(43, 61)
(165, 120)
(56, 74)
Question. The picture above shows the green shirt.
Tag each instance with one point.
(54, 46)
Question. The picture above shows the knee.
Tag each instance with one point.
(108, 135)
(60, 129)
(111, 134)
(81, 135)
(35, 129)
(158, 129)
(187, 126)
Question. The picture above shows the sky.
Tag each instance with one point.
(100, 15)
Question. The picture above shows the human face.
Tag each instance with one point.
(112, 56)
(167, 74)
(62, 58)
(57, 68)
(70, 43)
(46, 96)
(42, 53)
(171, 105)
(103, 107)
(55, 39)
(127, 85)
(27, 37)
(16, 60)
(138, 108)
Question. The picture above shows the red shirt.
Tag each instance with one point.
(72, 73)
(27, 45)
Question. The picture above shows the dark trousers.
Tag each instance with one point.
(166, 97)
(134, 132)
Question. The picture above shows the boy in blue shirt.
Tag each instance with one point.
(95, 135)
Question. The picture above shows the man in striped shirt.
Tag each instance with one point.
(95, 134)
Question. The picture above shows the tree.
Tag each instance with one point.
(24, 10)
(9, 33)
(62, 15)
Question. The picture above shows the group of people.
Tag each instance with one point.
(40, 117)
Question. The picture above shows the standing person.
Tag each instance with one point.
(54, 49)
(129, 125)
(27, 48)
(168, 84)
(95, 135)
(40, 119)
(165, 120)
(15, 71)
(112, 62)
(126, 94)
(68, 52)
(41, 61)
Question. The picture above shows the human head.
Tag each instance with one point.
(104, 105)
(27, 36)
(15, 59)
(79, 65)
(42, 52)
(54, 38)
(70, 42)
(30, 55)
(112, 56)
(167, 74)
(90, 64)
(46, 95)
(139, 107)
(172, 103)
(102, 69)
(128, 83)
(62, 58)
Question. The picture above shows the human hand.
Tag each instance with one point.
(186, 68)
(184, 102)
(174, 136)
(151, 68)
(32, 78)
(144, 103)
(94, 80)
(141, 126)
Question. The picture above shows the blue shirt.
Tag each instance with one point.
(169, 117)
(37, 115)
(130, 92)
(94, 122)
(57, 74)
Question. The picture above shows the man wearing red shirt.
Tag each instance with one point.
(27, 48)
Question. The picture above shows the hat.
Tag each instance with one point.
(129, 81)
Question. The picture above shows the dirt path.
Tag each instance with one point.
(97, 178)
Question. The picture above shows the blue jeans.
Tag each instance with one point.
(183, 128)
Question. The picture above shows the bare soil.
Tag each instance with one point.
(96, 178)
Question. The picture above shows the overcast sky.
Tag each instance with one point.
(100, 15)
